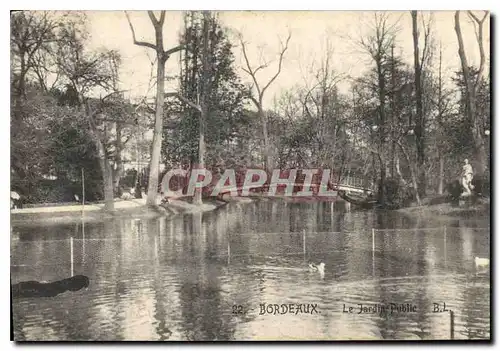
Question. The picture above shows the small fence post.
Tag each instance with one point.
(304, 242)
(373, 240)
(452, 325)
(83, 192)
(156, 247)
(228, 251)
(445, 244)
(332, 208)
(373, 251)
(71, 253)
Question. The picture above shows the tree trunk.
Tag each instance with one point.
(381, 190)
(203, 102)
(440, 124)
(118, 157)
(201, 156)
(441, 174)
(470, 89)
(22, 79)
(268, 158)
(107, 173)
(154, 165)
(419, 120)
(412, 172)
(398, 171)
(383, 163)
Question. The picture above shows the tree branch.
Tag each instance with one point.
(279, 64)
(173, 50)
(254, 100)
(184, 100)
(93, 126)
(427, 35)
(479, 37)
(162, 18)
(249, 68)
(126, 140)
(153, 19)
(139, 43)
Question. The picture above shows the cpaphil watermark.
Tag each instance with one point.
(293, 182)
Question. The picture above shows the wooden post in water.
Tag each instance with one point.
(228, 251)
(332, 208)
(83, 191)
(156, 247)
(71, 253)
(304, 242)
(445, 245)
(83, 214)
(452, 325)
(373, 240)
(83, 240)
(373, 251)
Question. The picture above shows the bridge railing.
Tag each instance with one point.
(354, 182)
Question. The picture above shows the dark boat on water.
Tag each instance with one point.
(365, 203)
(41, 289)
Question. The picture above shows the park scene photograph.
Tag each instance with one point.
(250, 175)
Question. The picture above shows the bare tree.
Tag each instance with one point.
(420, 118)
(162, 57)
(443, 108)
(84, 72)
(322, 103)
(378, 46)
(202, 105)
(471, 87)
(257, 97)
(31, 32)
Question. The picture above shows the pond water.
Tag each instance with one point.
(207, 277)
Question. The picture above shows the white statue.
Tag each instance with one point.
(467, 174)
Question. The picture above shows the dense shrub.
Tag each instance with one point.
(481, 186)
(454, 190)
(397, 194)
(55, 191)
(128, 180)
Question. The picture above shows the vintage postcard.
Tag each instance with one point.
(246, 175)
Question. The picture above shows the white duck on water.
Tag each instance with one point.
(320, 268)
(481, 262)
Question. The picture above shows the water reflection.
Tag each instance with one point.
(164, 279)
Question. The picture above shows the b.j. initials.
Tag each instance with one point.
(439, 307)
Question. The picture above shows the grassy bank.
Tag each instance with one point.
(447, 211)
(135, 208)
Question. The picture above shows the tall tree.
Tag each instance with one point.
(31, 33)
(471, 86)
(162, 57)
(85, 73)
(211, 95)
(257, 96)
(420, 118)
(378, 45)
